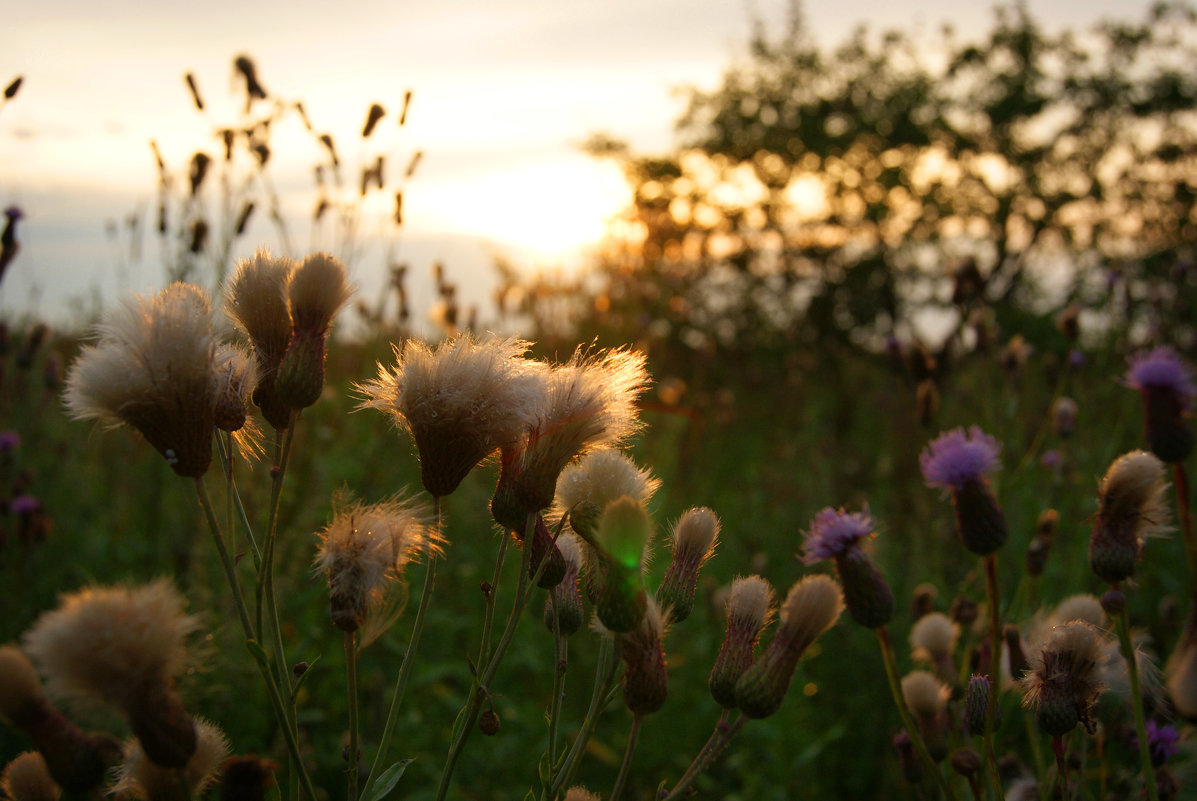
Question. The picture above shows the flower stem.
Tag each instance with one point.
(916, 737)
(604, 674)
(560, 661)
(405, 667)
(626, 764)
(707, 754)
(1180, 479)
(351, 683)
(1132, 670)
(995, 672)
(273, 689)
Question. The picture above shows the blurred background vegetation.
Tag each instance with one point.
(849, 250)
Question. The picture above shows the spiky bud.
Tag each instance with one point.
(565, 599)
(749, 609)
(912, 765)
(1130, 508)
(317, 291)
(811, 607)
(837, 534)
(623, 535)
(27, 778)
(1064, 682)
(976, 704)
(645, 680)
(694, 538)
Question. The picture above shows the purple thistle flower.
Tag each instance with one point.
(833, 532)
(1162, 742)
(9, 441)
(24, 505)
(954, 458)
(1161, 368)
(1076, 357)
(1051, 459)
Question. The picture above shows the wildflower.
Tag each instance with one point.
(694, 537)
(27, 778)
(234, 375)
(584, 489)
(811, 607)
(749, 609)
(1064, 683)
(958, 462)
(927, 698)
(246, 778)
(836, 535)
(645, 680)
(257, 300)
(1064, 413)
(587, 404)
(564, 604)
(365, 548)
(1166, 384)
(912, 765)
(9, 441)
(622, 536)
(317, 291)
(123, 646)
(976, 704)
(580, 794)
(1041, 543)
(75, 759)
(460, 402)
(138, 777)
(922, 600)
(933, 639)
(1130, 508)
(1161, 741)
(152, 369)
(967, 763)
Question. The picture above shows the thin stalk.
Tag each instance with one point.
(626, 764)
(405, 667)
(995, 671)
(351, 684)
(1061, 766)
(560, 661)
(916, 737)
(488, 617)
(714, 746)
(1132, 670)
(225, 455)
(1035, 744)
(479, 687)
(1180, 479)
(267, 582)
(604, 674)
(269, 678)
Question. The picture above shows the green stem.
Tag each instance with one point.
(226, 456)
(1180, 479)
(624, 766)
(405, 667)
(711, 749)
(468, 716)
(560, 661)
(1132, 670)
(604, 674)
(916, 737)
(488, 616)
(351, 683)
(995, 672)
(269, 678)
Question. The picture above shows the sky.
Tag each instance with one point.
(503, 93)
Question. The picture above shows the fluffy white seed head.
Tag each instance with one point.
(933, 637)
(138, 777)
(811, 607)
(110, 643)
(924, 693)
(27, 778)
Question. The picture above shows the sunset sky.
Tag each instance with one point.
(503, 93)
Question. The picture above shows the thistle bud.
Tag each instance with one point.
(811, 607)
(1130, 508)
(1165, 383)
(836, 534)
(1041, 543)
(912, 766)
(623, 535)
(749, 608)
(976, 704)
(927, 699)
(1064, 413)
(1064, 682)
(27, 778)
(694, 538)
(966, 762)
(317, 291)
(922, 601)
(565, 597)
(645, 681)
(958, 462)
(246, 778)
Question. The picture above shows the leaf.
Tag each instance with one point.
(256, 651)
(388, 779)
